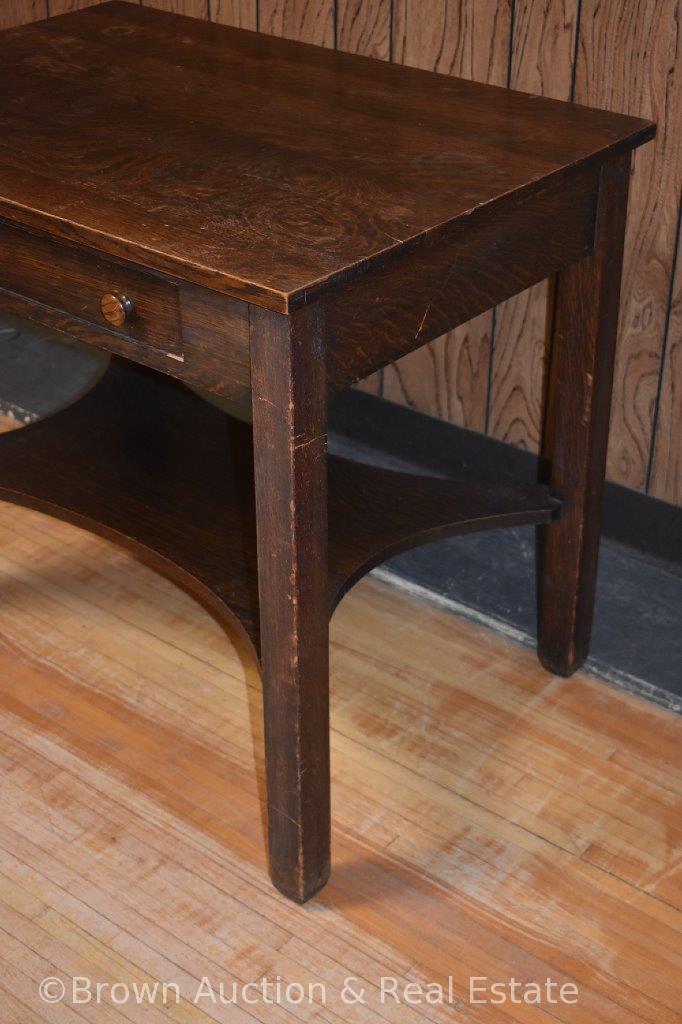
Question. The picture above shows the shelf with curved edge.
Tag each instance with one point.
(143, 461)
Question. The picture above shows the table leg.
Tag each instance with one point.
(289, 428)
(583, 339)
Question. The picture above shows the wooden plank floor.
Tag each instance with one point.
(489, 820)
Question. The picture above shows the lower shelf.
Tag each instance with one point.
(143, 461)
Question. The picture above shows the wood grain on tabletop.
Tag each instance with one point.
(302, 207)
(489, 819)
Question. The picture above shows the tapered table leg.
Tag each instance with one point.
(289, 428)
(583, 339)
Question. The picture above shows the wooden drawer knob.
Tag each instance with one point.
(117, 309)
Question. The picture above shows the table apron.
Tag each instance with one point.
(451, 278)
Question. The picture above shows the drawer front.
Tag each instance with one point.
(75, 281)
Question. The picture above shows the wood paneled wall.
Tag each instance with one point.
(620, 54)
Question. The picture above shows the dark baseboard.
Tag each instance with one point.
(397, 433)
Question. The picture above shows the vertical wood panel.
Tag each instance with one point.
(195, 8)
(364, 26)
(666, 476)
(309, 21)
(64, 6)
(627, 62)
(470, 38)
(238, 13)
(543, 49)
(20, 12)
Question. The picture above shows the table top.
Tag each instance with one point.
(256, 166)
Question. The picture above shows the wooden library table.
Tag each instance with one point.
(267, 221)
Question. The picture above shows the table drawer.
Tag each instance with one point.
(113, 296)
